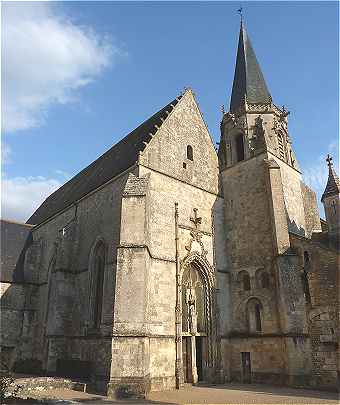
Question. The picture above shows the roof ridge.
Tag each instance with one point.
(114, 161)
(168, 114)
(15, 222)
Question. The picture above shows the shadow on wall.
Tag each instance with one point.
(26, 341)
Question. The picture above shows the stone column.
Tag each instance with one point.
(193, 360)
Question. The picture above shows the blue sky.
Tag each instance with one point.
(78, 76)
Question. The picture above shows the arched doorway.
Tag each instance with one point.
(197, 352)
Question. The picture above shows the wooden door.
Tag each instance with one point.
(186, 357)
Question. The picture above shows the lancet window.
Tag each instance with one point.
(190, 153)
(97, 284)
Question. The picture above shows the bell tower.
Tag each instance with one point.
(253, 124)
(265, 203)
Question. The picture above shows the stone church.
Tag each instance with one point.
(167, 262)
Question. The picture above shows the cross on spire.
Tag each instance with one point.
(240, 12)
(329, 160)
(195, 219)
(333, 183)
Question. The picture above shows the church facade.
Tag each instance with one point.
(167, 262)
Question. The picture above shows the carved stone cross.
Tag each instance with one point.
(195, 219)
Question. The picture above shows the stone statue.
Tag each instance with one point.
(192, 314)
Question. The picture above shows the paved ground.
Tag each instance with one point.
(219, 394)
(244, 394)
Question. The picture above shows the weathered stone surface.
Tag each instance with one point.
(189, 266)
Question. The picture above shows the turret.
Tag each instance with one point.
(331, 201)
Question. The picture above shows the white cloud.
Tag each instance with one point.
(21, 196)
(63, 174)
(46, 59)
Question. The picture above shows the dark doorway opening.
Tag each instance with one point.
(246, 367)
(199, 358)
(74, 368)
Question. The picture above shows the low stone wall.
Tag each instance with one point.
(29, 384)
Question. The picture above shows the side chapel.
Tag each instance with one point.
(165, 262)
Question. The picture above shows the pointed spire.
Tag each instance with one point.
(333, 183)
(248, 82)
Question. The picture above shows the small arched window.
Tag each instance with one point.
(239, 147)
(333, 205)
(190, 153)
(244, 280)
(97, 284)
(262, 278)
(254, 315)
(265, 283)
(306, 257)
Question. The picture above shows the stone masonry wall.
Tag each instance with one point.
(146, 276)
(323, 309)
(62, 271)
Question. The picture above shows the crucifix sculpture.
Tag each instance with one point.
(195, 219)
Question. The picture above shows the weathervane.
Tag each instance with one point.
(329, 160)
(240, 12)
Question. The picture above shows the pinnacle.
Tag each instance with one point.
(333, 183)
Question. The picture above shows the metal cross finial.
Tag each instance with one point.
(329, 160)
(195, 219)
(240, 12)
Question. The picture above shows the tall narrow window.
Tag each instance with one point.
(239, 147)
(258, 317)
(333, 204)
(97, 284)
(281, 146)
(190, 153)
(306, 257)
(254, 315)
(305, 286)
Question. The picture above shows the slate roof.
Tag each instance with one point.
(333, 183)
(14, 239)
(116, 160)
(248, 77)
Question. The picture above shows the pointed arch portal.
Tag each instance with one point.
(198, 318)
